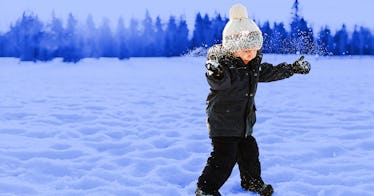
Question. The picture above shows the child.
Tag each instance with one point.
(233, 71)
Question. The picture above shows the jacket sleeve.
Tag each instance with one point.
(219, 84)
(269, 73)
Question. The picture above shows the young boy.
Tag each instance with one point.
(233, 71)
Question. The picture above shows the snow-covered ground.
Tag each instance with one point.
(137, 127)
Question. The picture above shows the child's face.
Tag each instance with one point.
(246, 55)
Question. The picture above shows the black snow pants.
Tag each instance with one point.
(227, 151)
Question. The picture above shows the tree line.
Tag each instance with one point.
(29, 39)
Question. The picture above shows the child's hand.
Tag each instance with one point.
(214, 69)
(301, 66)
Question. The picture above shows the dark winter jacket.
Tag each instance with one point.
(231, 109)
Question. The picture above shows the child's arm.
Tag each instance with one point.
(269, 73)
(217, 76)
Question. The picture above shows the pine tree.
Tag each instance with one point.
(356, 43)
(28, 34)
(218, 24)
(51, 40)
(11, 42)
(133, 39)
(325, 42)
(170, 37)
(91, 46)
(367, 39)
(182, 37)
(207, 32)
(71, 48)
(279, 39)
(267, 34)
(1, 45)
(341, 41)
(148, 39)
(301, 36)
(121, 50)
(57, 31)
(159, 38)
(106, 39)
(198, 33)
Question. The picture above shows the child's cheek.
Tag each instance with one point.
(250, 57)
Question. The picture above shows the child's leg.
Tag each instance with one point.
(248, 158)
(219, 165)
(250, 168)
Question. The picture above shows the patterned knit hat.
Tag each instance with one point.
(241, 33)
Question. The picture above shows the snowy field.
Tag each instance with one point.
(137, 127)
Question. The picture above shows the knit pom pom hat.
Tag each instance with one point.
(241, 33)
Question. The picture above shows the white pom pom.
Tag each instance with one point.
(238, 11)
